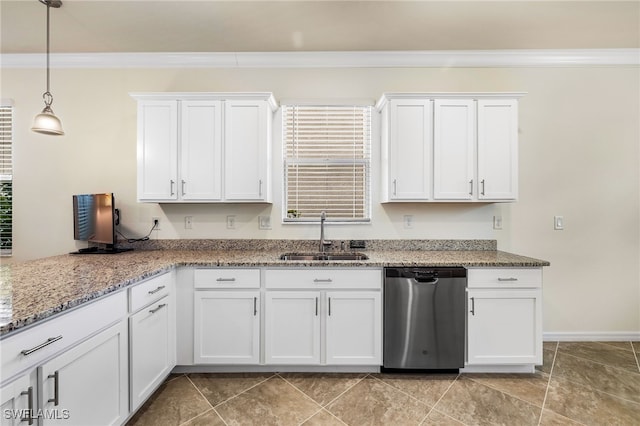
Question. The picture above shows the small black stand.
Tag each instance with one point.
(98, 250)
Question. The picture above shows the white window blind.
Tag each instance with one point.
(6, 180)
(327, 156)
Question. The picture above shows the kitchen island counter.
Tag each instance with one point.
(36, 290)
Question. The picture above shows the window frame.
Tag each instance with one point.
(366, 161)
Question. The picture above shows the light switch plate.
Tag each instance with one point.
(497, 222)
(264, 222)
(188, 222)
(408, 221)
(558, 223)
(231, 222)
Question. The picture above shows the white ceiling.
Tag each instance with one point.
(82, 26)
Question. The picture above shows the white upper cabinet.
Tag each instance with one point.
(204, 147)
(498, 149)
(454, 149)
(406, 146)
(446, 147)
(247, 131)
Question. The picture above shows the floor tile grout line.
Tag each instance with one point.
(320, 411)
(598, 362)
(403, 392)
(206, 400)
(546, 391)
(600, 391)
(345, 391)
(635, 354)
(244, 391)
(440, 399)
(505, 392)
(446, 415)
(299, 390)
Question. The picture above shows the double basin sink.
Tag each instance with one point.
(324, 256)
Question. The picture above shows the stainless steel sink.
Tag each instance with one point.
(324, 256)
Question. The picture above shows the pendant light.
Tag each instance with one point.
(46, 122)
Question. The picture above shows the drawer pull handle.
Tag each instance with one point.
(471, 187)
(329, 306)
(225, 280)
(322, 280)
(56, 388)
(29, 393)
(508, 279)
(316, 306)
(157, 289)
(153, 311)
(473, 306)
(49, 341)
(482, 182)
(255, 306)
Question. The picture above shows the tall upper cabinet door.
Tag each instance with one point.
(410, 144)
(201, 150)
(247, 150)
(453, 149)
(498, 149)
(157, 150)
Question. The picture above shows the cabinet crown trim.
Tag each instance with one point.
(208, 96)
(386, 97)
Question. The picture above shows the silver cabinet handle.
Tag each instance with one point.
(225, 279)
(153, 311)
(322, 280)
(260, 188)
(482, 183)
(49, 341)
(473, 306)
(29, 393)
(255, 306)
(172, 182)
(395, 187)
(329, 306)
(508, 279)
(157, 289)
(56, 388)
(471, 187)
(316, 306)
(183, 182)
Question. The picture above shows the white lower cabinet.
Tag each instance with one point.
(292, 327)
(18, 401)
(87, 385)
(334, 317)
(226, 327)
(504, 320)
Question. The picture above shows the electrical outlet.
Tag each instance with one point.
(155, 222)
(231, 222)
(188, 222)
(497, 222)
(264, 222)
(408, 221)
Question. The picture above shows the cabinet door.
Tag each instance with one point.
(201, 150)
(226, 327)
(18, 402)
(246, 150)
(453, 149)
(292, 328)
(88, 384)
(504, 327)
(354, 328)
(157, 150)
(152, 349)
(498, 149)
(410, 149)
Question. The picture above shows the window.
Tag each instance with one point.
(6, 180)
(327, 156)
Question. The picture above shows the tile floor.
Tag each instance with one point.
(580, 383)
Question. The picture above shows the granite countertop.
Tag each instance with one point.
(35, 290)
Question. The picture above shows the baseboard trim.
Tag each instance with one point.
(592, 336)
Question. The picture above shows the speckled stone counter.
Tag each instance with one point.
(35, 290)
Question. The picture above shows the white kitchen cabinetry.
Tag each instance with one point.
(463, 149)
(204, 147)
(504, 320)
(323, 317)
(407, 150)
(152, 336)
(18, 401)
(226, 316)
(88, 383)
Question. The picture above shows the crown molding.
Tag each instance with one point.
(359, 59)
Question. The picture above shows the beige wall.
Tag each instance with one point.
(579, 157)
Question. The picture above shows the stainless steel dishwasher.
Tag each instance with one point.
(424, 318)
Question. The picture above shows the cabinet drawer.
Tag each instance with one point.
(504, 278)
(226, 278)
(149, 291)
(323, 278)
(64, 330)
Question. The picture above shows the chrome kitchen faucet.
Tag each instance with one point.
(323, 244)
